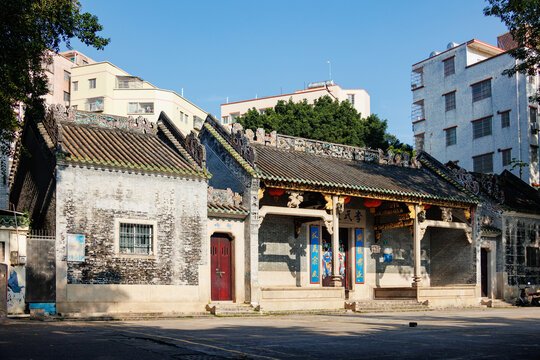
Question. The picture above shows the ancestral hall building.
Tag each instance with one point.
(145, 219)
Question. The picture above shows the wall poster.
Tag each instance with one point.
(359, 246)
(75, 247)
(314, 246)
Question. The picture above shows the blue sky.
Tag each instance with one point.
(240, 49)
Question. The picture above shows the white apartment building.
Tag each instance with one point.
(104, 87)
(465, 110)
(359, 98)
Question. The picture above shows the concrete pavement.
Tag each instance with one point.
(450, 334)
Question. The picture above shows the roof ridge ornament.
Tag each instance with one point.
(242, 144)
(141, 125)
(196, 149)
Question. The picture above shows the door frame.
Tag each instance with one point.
(490, 246)
(233, 272)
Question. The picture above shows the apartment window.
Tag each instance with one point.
(66, 98)
(533, 114)
(417, 78)
(92, 83)
(450, 101)
(234, 116)
(136, 239)
(418, 112)
(483, 163)
(419, 141)
(350, 97)
(451, 136)
(225, 120)
(128, 82)
(534, 155)
(506, 157)
(67, 76)
(481, 90)
(141, 108)
(481, 127)
(94, 104)
(186, 118)
(533, 256)
(505, 119)
(449, 68)
(75, 86)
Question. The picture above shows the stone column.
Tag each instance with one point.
(336, 278)
(416, 248)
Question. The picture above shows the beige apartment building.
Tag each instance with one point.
(359, 98)
(104, 87)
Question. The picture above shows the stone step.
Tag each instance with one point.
(386, 306)
(233, 310)
(495, 303)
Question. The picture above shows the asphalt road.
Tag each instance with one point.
(457, 334)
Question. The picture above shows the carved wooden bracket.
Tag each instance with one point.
(295, 199)
(412, 211)
(329, 203)
(261, 193)
(446, 214)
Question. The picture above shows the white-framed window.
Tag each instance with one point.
(481, 90)
(92, 83)
(75, 86)
(450, 101)
(350, 97)
(449, 67)
(140, 108)
(225, 120)
(506, 157)
(67, 76)
(135, 237)
(66, 98)
(451, 136)
(94, 104)
(234, 116)
(483, 163)
(482, 127)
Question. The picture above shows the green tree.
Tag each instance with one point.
(29, 29)
(325, 120)
(522, 17)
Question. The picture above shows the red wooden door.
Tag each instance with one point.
(220, 255)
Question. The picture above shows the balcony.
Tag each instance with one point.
(128, 82)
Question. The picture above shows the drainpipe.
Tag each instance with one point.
(518, 120)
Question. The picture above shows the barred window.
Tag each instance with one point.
(483, 163)
(505, 119)
(450, 101)
(482, 90)
(451, 136)
(419, 142)
(481, 127)
(533, 256)
(533, 114)
(136, 239)
(91, 83)
(506, 157)
(449, 67)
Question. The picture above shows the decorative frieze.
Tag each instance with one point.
(58, 113)
(224, 197)
(196, 149)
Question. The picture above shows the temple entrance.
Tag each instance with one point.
(221, 269)
(343, 257)
(484, 271)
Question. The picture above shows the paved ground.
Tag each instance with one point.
(456, 334)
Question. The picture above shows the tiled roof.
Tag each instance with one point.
(307, 168)
(84, 143)
(518, 195)
(227, 209)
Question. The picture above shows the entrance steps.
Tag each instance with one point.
(233, 309)
(495, 303)
(375, 306)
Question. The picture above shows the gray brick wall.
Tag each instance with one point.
(88, 202)
(453, 259)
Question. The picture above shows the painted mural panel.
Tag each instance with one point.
(314, 245)
(359, 246)
(75, 247)
(16, 291)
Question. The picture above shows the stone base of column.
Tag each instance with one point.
(417, 282)
(335, 281)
